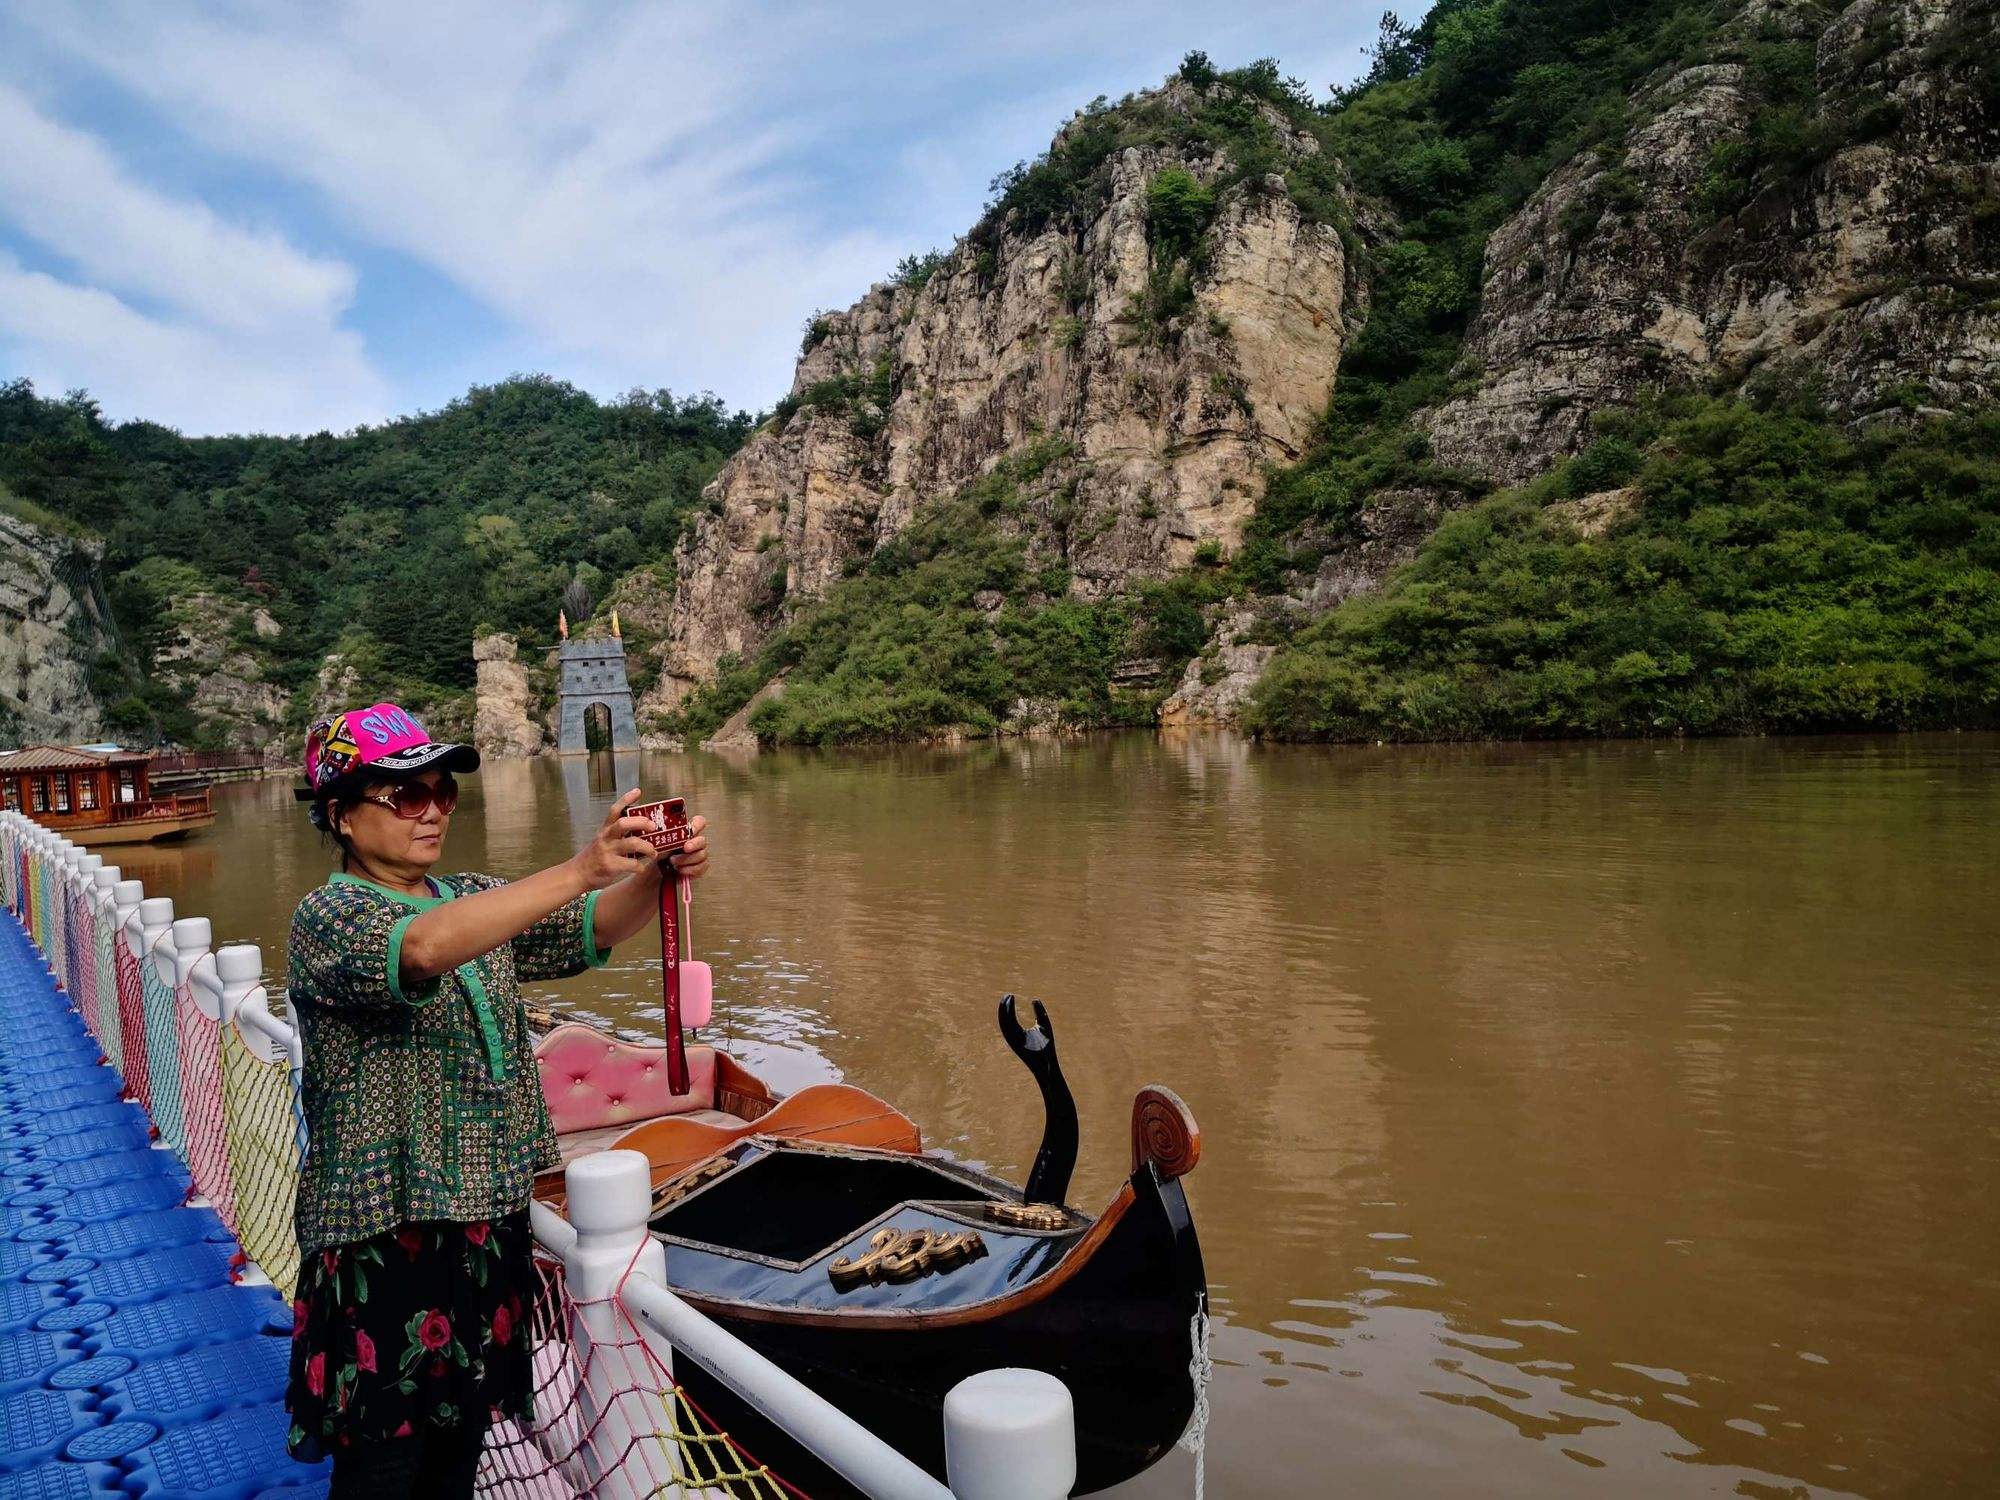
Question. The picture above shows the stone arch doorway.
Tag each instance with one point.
(595, 695)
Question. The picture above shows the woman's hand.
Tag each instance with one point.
(691, 859)
(617, 849)
(630, 904)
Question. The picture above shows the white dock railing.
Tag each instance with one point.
(195, 1038)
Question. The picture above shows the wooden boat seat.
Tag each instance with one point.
(604, 1093)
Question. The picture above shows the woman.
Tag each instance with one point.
(423, 1106)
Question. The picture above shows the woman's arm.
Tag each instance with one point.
(457, 932)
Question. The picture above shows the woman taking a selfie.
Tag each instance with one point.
(423, 1107)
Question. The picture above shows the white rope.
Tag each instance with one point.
(1201, 1369)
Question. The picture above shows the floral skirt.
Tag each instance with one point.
(423, 1325)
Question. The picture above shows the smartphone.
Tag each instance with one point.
(669, 822)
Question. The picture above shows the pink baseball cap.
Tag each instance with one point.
(382, 739)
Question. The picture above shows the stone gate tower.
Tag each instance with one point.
(593, 672)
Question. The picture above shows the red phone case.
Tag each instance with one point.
(669, 820)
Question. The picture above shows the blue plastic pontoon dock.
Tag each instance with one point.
(130, 1364)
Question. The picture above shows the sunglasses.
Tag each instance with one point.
(412, 799)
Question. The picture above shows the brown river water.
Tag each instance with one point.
(1612, 1119)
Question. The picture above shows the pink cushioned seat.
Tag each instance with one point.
(593, 1081)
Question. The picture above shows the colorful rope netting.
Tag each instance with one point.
(163, 1048)
(101, 1011)
(83, 946)
(265, 1134)
(207, 1154)
(107, 976)
(133, 1053)
(648, 1432)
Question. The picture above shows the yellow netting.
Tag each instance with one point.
(262, 1126)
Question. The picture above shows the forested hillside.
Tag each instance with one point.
(389, 545)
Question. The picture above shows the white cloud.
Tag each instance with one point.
(182, 316)
(60, 187)
(182, 373)
(609, 187)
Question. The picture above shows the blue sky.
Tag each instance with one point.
(245, 216)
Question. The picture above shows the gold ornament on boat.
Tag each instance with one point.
(1028, 1215)
(906, 1254)
(689, 1180)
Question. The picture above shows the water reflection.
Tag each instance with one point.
(1608, 1119)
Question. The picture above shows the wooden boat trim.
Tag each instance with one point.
(904, 1320)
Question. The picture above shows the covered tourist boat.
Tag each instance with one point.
(817, 1229)
(99, 795)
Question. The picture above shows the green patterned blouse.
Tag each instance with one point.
(420, 1103)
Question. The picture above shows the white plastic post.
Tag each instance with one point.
(1010, 1435)
(240, 967)
(181, 963)
(610, 1198)
(268, 1037)
(131, 898)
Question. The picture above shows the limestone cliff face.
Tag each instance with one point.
(1160, 435)
(1874, 274)
(53, 623)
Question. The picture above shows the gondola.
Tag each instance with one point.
(817, 1229)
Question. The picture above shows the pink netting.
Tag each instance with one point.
(201, 1105)
(84, 922)
(132, 1026)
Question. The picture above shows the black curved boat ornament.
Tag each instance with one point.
(1048, 1181)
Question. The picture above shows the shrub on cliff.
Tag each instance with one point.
(1775, 575)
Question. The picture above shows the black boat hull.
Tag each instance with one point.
(1114, 1321)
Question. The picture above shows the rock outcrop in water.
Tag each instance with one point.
(504, 722)
(1161, 435)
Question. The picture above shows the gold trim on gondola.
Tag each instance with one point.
(689, 1180)
(906, 1254)
(1028, 1215)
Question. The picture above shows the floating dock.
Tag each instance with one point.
(132, 1364)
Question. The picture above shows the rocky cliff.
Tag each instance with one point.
(212, 661)
(1157, 404)
(55, 624)
(1863, 260)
